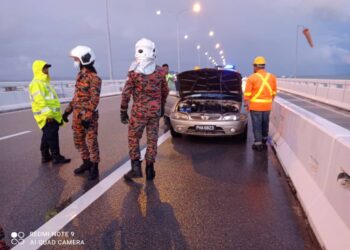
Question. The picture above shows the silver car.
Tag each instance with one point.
(206, 102)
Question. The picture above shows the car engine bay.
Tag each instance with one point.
(208, 106)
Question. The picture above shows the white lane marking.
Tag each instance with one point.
(13, 135)
(40, 236)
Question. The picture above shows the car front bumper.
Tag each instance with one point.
(222, 128)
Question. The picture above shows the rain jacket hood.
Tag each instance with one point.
(38, 73)
(44, 99)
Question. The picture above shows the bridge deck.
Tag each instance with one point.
(209, 193)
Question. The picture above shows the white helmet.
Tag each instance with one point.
(84, 54)
(145, 49)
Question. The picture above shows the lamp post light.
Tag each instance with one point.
(217, 45)
(211, 33)
(196, 8)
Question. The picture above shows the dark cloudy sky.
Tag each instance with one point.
(42, 29)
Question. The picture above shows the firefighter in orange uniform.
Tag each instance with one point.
(85, 114)
(258, 96)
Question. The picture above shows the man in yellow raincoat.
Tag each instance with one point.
(47, 112)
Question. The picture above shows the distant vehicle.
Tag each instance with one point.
(208, 102)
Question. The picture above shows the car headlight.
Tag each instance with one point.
(179, 116)
(230, 118)
(240, 117)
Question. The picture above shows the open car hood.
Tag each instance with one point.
(210, 81)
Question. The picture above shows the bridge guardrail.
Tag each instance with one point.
(332, 92)
(313, 152)
(15, 95)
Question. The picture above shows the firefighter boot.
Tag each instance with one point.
(150, 173)
(83, 167)
(93, 173)
(57, 158)
(135, 171)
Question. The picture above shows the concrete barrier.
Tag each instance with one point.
(332, 92)
(15, 96)
(313, 151)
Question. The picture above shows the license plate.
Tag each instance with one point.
(205, 127)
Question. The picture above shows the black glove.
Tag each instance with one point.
(85, 123)
(65, 117)
(162, 111)
(124, 118)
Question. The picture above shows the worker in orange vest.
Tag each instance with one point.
(259, 93)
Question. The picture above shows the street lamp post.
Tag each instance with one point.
(195, 8)
(109, 44)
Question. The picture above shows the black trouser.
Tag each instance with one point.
(49, 140)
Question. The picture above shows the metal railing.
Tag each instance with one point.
(333, 92)
(15, 95)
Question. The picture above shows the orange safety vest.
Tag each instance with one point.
(260, 91)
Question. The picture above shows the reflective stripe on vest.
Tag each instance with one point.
(46, 109)
(49, 88)
(35, 94)
(264, 84)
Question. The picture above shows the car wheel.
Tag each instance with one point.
(172, 131)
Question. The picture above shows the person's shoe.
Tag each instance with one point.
(258, 147)
(93, 173)
(46, 159)
(135, 171)
(150, 173)
(83, 167)
(60, 159)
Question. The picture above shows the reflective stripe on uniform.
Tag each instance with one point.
(35, 94)
(42, 111)
(49, 88)
(264, 84)
(248, 94)
(50, 96)
(52, 91)
(263, 100)
(46, 109)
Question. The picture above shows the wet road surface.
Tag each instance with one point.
(209, 193)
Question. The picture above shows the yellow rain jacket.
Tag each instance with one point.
(45, 102)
